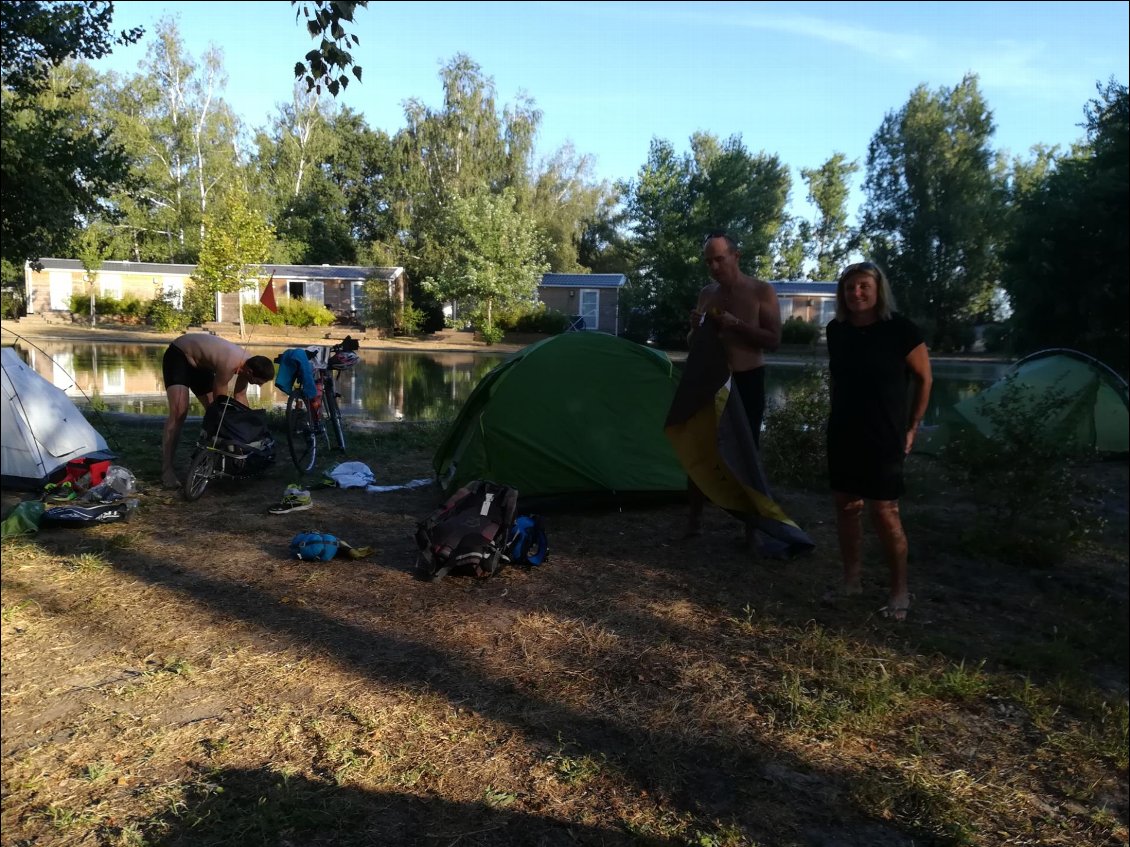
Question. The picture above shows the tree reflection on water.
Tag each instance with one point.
(383, 386)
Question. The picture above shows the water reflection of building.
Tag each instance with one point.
(125, 377)
(384, 386)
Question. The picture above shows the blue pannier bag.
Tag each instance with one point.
(314, 546)
(527, 543)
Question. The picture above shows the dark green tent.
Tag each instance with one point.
(1092, 413)
(577, 417)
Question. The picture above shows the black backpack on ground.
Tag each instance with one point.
(468, 533)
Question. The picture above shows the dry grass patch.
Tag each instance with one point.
(170, 685)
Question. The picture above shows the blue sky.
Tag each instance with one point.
(801, 80)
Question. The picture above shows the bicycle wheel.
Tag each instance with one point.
(200, 469)
(333, 413)
(300, 433)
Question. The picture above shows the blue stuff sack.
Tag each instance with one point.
(527, 544)
(314, 546)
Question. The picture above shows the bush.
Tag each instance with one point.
(305, 313)
(799, 331)
(257, 313)
(163, 314)
(133, 309)
(544, 321)
(1031, 506)
(491, 334)
(793, 447)
(382, 310)
(11, 304)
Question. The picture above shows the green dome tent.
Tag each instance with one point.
(1093, 408)
(573, 418)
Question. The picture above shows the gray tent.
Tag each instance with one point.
(42, 429)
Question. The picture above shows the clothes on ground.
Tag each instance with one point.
(870, 414)
(350, 475)
(415, 483)
(23, 519)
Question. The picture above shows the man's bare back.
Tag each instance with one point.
(212, 353)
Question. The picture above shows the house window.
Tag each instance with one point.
(114, 381)
(294, 289)
(110, 285)
(827, 310)
(786, 307)
(590, 307)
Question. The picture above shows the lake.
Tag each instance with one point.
(383, 386)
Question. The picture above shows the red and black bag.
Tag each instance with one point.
(468, 533)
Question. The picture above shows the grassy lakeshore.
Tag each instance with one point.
(178, 680)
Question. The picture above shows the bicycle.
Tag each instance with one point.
(234, 443)
(308, 419)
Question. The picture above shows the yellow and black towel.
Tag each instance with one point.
(709, 430)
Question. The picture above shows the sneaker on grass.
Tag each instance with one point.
(294, 499)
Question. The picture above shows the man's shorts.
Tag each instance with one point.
(751, 388)
(177, 371)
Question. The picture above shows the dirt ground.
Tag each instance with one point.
(181, 680)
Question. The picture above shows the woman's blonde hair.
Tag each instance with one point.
(884, 300)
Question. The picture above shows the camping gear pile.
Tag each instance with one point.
(476, 531)
(41, 429)
(48, 447)
(92, 492)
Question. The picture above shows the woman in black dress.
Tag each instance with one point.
(878, 361)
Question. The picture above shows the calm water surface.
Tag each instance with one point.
(384, 386)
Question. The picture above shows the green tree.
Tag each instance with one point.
(673, 202)
(494, 255)
(564, 199)
(934, 208)
(1066, 266)
(94, 246)
(237, 241)
(306, 167)
(660, 203)
(56, 160)
(830, 237)
(451, 154)
(742, 193)
(326, 64)
(181, 138)
(789, 249)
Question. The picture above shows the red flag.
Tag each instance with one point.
(268, 296)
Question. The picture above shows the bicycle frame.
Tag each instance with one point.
(305, 421)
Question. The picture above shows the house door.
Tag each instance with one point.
(60, 290)
(590, 307)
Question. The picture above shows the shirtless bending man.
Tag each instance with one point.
(205, 364)
(749, 323)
